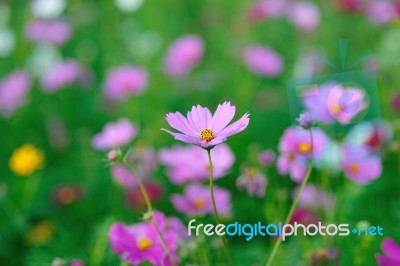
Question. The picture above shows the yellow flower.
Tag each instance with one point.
(40, 233)
(26, 160)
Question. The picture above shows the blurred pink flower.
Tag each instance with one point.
(67, 194)
(14, 89)
(186, 164)
(263, 61)
(264, 9)
(253, 181)
(295, 149)
(304, 15)
(183, 54)
(196, 200)
(396, 103)
(122, 176)
(134, 198)
(381, 11)
(350, 5)
(114, 135)
(267, 157)
(360, 165)
(139, 242)
(77, 262)
(332, 102)
(125, 81)
(304, 216)
(201, 128)
(313, 196)
(392, 253)
(61, 75)
(48, 31)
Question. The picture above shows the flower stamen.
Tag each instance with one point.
(207, 134)
(144, 243)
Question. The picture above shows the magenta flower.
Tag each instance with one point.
(295, 149)
(253, 181)
(114, 135)
(76, 262)
(184, 54)
(266, 157)
(125, 81)
(360, 165)
(187, 164)
(14, 89)
(332, 102)
(263, 61)
(122, 176)
(313, 197)
(396, 103)
(381, 11)
(139, 242)
(304, 15)
(264, 9)
(196, 200)
(392, 253)
(304, 216)
(201, 128)
(48, 31)
(61, 75)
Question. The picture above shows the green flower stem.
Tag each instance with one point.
(296, 200)
(228, 255)
(150, 211)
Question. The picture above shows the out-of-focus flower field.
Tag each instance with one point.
(87, 86)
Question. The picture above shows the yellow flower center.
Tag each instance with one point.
(304, 147)
(41, 232)
(145, 243)
(336, 108)
(354, 168)
(26, 160)
(207, 134)
(199, 203)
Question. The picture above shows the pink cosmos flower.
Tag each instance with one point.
(114, 135)
(183, 54)
(304, 216)
(263, 61)
(295, 149)
(14, 89)
(76, 262)
(264, 9)
(135, 200)
(190, 163)
(201, 128)
(313, 196)
(381, 11)
(61, 75)
(253, 181)
(48, 31)
(304, 15)
(139, 242)
(333, 102)
(392, 253)
(122, 176)
(360, 165)
(196, 200)
(125, 81)
(266, 157)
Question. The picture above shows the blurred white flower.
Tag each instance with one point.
(48, 8)
(7, 41)
(42, 59)
(128, 5)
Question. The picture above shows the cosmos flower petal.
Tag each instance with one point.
(121, 240)
(199, 117)
(222, 116)
(385, 261)
(180, 123)
(391, 248)
(235, 127)
(183, 137)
